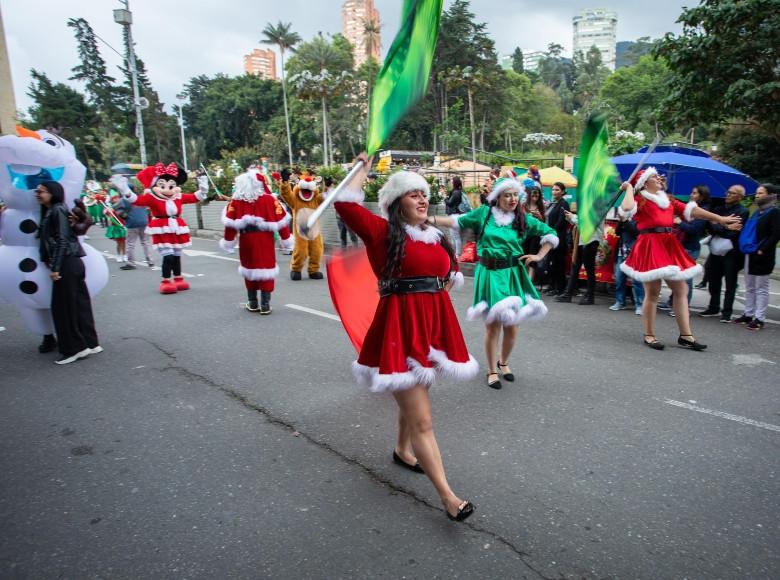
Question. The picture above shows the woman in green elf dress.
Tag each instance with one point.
(504, 295)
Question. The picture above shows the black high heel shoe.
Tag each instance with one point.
(417, 468)
(690, 344)
(508, 376)
(464, 511)
(493, 384)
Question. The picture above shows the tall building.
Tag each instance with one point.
(531, 59)
(355, 15)
(596, 27)
(261, 62)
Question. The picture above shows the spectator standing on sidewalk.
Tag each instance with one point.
(455, 204)
(627, 234)
(137, 220)
(760, 263)
(556, 219)
(586, 256)
(728, 264)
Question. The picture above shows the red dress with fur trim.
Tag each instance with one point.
(256, 221)
(166, 226)
(412, 336)
(657, 256)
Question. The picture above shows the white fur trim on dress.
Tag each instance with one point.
(426, 235)
(665, 273)
(168, 229)
(259, 273)
(509, 312)
(256, 221)
(351, 196)
(400, 184)
(228, 246)
(689, 207)
(551, 239)
(502, 218)
(660, 199)
(417, 374)
(167, 246)
(627, 215)
(503, 186)
(457, 280)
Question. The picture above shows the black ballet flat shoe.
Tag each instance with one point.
(690, 344)
(508, 376)
(655, 344)
(466, 509)
(494, 384)
(417, 468)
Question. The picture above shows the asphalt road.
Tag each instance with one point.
(208, 442)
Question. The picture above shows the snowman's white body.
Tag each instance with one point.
(24, 280)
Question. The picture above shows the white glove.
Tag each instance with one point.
(228, 246)
(121, 184)
(203, 185)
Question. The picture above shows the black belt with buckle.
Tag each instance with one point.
(250, 229)
(411, 285)
(499, 263)
(656, 231)
(164, 217)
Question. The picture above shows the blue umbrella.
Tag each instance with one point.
(685, 168)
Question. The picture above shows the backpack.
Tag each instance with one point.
(748, 237)
(465, 203)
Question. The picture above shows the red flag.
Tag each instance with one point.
(353, 289)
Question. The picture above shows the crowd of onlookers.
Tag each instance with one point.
(558, 275)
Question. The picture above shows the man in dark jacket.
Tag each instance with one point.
(728, 265)
(137, 220)
(556, 219)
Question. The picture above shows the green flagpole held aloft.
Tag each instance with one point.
(597, 180)
(404, 77)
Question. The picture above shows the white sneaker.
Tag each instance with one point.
(97, 350)
(73, 358)
(638, 311)
(617, 306)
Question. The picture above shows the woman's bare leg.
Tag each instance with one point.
(652, 291)
(492, 333)
(403, 446)
(680, 303)
(507, 344)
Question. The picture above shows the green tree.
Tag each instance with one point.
(637, 49)
(750, 150)
(281, 36)
(590, 76)
(517, 61)
(725, 65)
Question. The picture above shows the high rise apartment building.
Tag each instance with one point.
(596, 27)
(355, 14)
(261, 62)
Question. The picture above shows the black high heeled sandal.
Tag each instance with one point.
(655, 344)
(464, 511)
(508, 376)
(690, 344)
(417, 468)
(493, 384)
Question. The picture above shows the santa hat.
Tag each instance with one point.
(263, 183)
(149, 175)
(642, 176)
(398, 185)
(307, 183)
(504, 184)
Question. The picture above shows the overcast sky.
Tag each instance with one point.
(209, 37)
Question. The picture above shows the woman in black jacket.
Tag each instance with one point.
(556, 219)
(60, 250)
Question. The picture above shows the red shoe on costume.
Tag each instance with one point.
(167, 287)
(181, 283)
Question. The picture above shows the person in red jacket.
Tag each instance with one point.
(254, 214)
(170, 233)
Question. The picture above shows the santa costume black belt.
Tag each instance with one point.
(163, 217)
(656, 231)
(250, 230)
(411, 285)
(499, 263)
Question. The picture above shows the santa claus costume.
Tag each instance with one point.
(415, 333)
(170, 233)
(254, 215)
(657, 254)
(303, 199)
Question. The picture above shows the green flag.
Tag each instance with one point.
(597, 180)
(403, 79)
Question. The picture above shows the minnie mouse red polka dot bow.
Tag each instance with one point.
(171, 169)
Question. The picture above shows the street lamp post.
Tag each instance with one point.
(125, 18)
(181, 127)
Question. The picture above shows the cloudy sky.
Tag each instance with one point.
(209, 37)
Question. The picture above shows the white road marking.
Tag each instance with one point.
(209, 255)
(315, 312)
(2, 328)
(750, 360)
(722, 415)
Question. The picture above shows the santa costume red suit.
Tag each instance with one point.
(254, 215)
(415, 332)
(170, 233)
(657, 253)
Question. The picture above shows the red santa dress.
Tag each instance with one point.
(657, 253)
(412, 336)
(166, 226)
(255, 219)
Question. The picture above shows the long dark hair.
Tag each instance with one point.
(396, 242)
(539, 205)
(704, 194)
(57, 195)
(519, 223)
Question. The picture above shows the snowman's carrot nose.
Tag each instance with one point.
(22, 132)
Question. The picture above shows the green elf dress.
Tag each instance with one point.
(504, 295)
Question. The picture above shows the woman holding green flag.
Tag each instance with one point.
(504, 295)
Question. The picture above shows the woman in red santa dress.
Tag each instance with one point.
(255, 214)
(658, 255)
(170, 233)
(415, 334)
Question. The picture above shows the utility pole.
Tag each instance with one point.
(7, 101)
(125, 18)
(181, 126)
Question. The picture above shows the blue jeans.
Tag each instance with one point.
(621, 286)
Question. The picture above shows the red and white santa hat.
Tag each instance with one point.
(399, 185)
(642, 176)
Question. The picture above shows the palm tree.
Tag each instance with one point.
(281, 36)
(371, 42)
